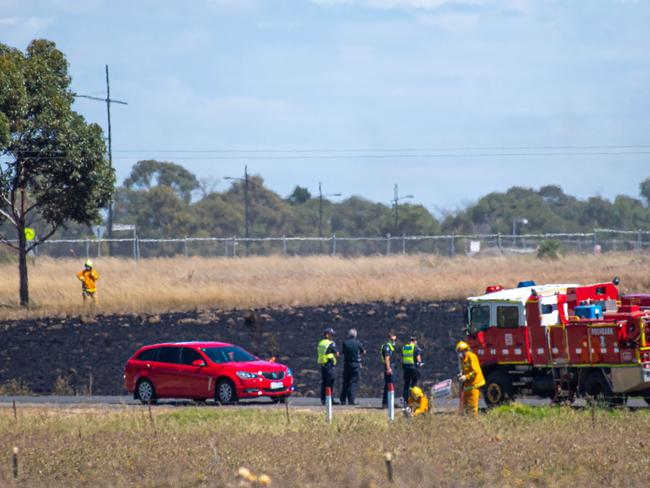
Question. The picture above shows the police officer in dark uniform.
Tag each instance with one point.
(388, 362)
(327, 355)
(352, 350)
(411, 363)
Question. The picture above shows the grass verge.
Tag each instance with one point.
(206, 446)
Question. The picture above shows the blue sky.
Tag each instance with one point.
(450, 99)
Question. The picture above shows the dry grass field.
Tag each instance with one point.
(206, 447)
(157, 285)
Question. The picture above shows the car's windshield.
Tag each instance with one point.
(228, 354)
(479, 318)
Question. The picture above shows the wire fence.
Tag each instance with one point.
(597, 241)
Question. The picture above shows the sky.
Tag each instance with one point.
(449, 99)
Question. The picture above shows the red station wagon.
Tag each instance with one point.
(202, 370)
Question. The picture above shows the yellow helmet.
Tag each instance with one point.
(462, 346)
(88, 263)
(416, 392)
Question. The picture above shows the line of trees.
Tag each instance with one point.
(164, 199)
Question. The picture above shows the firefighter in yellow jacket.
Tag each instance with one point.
(470, 377)
(418, 403)
(88, 277)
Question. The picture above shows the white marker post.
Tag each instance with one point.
(391, 402)
(328, 404)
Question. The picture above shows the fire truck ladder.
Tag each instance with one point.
(562, 385)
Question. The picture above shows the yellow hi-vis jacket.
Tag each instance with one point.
(88, 277)
(323, 356)
(472, 370)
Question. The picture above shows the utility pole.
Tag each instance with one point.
(320, 213)
(108, 101)
(246, 208)
(396, 201)
(246, 181)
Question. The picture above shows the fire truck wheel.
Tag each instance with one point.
(497, 389)
(597, 388)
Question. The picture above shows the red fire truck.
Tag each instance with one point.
(561, 341)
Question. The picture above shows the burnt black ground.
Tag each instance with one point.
(37, 351)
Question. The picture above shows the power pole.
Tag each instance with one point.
(246, 181)
(246, 208)
(108, 101)
(396, 201)
(320, 213)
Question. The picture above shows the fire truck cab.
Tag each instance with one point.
(561, 341)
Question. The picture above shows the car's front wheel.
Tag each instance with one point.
(145, 392)
(225, 393)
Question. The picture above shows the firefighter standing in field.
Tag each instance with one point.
(327, 355)
(88, 277)
(471, 378)
(388, 361)
(411, 363)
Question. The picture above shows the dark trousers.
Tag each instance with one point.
(411, 377)
(327, 375)
(388, 380)
(350, 383)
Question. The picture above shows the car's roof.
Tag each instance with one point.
(192, 343)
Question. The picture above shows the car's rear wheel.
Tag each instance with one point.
(225, 393)
(145, 392)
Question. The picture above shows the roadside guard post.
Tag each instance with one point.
(391, 402)
(328, 404)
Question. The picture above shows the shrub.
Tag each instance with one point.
(62, 387)
(549, 249)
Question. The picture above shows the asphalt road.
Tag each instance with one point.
(304, 402)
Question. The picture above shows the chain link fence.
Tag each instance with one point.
(600, 240)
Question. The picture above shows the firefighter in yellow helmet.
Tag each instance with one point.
(471, 378)
(418, 403)
(88, 277)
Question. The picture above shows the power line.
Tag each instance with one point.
(389, 156)
(384, 150)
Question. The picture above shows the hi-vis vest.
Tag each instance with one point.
(390, 346)
(407, 354)
(323, 356)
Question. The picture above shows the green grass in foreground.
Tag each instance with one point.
(205, 446)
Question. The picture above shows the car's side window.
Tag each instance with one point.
(148, 355)
(188, 356)
(169, 355)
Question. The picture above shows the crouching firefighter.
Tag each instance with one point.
(470, 377)
(418, 403)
